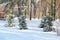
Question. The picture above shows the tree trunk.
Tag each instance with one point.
(54, 9)
(19, 4)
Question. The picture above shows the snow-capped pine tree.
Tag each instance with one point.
(43, 21)
(10, 20)
(46, 23)
(22, 22)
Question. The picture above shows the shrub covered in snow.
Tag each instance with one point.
(46, 23)
(22, 22)
(10, 20)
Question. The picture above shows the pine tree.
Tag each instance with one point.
(22, 22)
(10, 20)
(46, 23)
(43, 21)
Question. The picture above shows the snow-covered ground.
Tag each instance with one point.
(33, 33)
(15, 34)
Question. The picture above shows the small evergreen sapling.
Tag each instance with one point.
(43, 22)
(10, 21)
(22, 22)
(46, 23)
